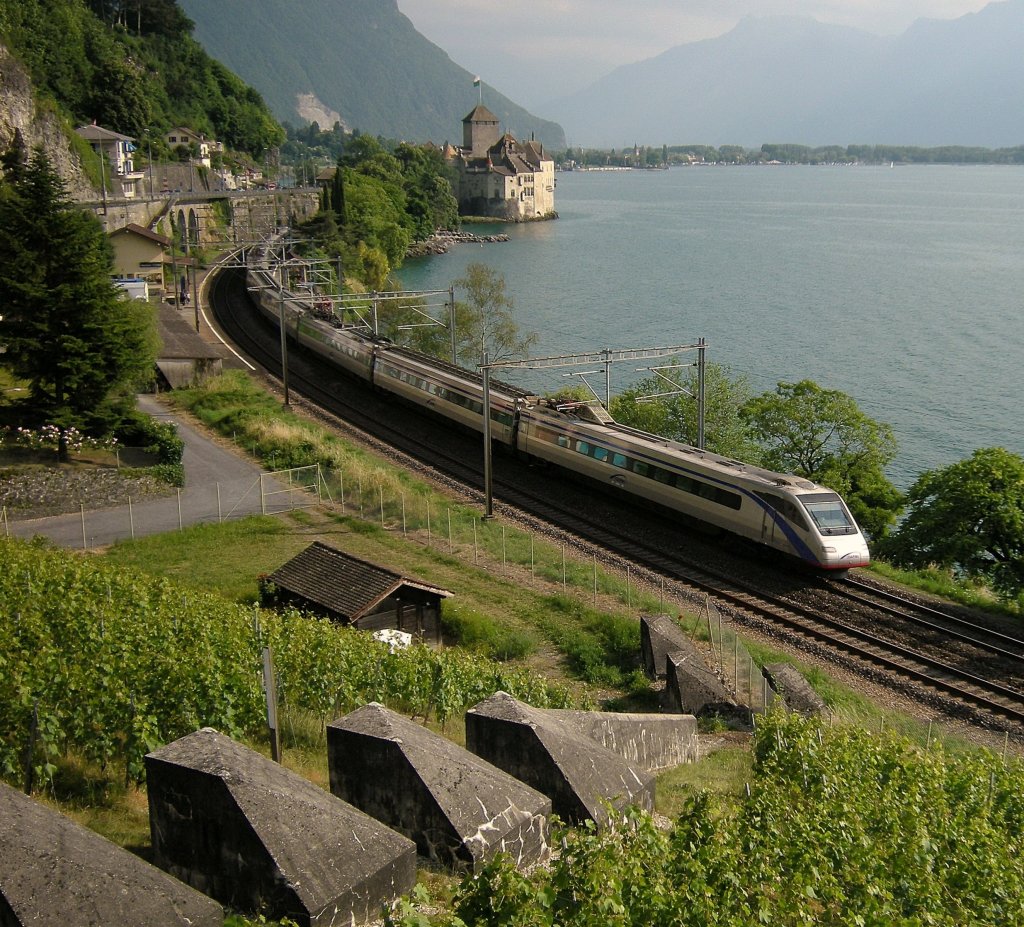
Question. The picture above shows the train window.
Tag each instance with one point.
(787, 508)
(730, 500)
(796, 516)
(663, 476)
(828, 513)
(685, 483)
(563, 441)
(600, 453)
(620, 460)
(582, 447)
(641, 469)
(705, 491)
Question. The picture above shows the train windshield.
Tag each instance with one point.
(829, 514)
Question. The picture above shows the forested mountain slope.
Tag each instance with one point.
(362, 60)
(133, 68)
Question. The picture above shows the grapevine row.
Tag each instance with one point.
(110, 664)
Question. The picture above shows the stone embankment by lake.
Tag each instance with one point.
(441, 241)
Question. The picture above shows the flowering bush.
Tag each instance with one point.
(48, 438)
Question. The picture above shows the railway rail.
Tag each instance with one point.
(961, 667)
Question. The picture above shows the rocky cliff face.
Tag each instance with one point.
(18, 111)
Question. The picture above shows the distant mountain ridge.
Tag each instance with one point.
(361, 59)
(788, 79)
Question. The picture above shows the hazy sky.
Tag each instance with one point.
(533, 50)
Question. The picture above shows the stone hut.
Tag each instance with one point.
(459, 809)
(56, 873)
(262, 839)
(550, 753)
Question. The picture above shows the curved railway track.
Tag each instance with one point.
(965, 668)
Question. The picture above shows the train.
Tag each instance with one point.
(782, 512)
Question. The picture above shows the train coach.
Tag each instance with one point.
(780, 511)
(783, 512)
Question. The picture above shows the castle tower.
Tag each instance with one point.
(480, 130)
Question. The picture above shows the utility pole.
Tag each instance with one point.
(451, 324)
(607, 379)
(701, 350)
(103, 181)
(488, 490)
(195, 289)
(607, 357)
(195, 276)
(174, 259)
(284, 333)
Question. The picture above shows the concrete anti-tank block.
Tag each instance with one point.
(648, 741)
(660, 635)
(458, 808)
(691, 687)
(794, 689)
(552, 756)
(262, 839)
(56, 873)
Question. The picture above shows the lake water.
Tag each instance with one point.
(903, 287)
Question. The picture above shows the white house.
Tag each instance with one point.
(116, 151)
(179, 135)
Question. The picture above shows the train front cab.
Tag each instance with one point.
(816, 527)
(842, 543)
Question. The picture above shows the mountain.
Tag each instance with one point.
(359, 61)
(788, 79)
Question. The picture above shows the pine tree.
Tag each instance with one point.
(68, 331)
(338, 195)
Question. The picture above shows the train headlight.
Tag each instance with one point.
(829, 550)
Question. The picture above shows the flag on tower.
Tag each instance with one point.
(476, 81)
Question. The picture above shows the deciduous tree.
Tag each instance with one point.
(485, 321)
(81, 345)
(822, 434)
(968, 516)
(675, 417)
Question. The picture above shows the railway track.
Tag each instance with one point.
(965, 667)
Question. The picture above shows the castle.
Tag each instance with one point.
(500, 177)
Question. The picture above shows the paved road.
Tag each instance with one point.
(218, 484)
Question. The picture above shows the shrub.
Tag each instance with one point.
(160, 438)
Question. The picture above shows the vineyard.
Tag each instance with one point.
(108, 664)
(839, 827)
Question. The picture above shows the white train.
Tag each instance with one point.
(783, 512)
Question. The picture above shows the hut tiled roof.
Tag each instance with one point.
(178, 337)
(140, 230)
(341, 583)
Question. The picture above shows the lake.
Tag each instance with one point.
(903, 287)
